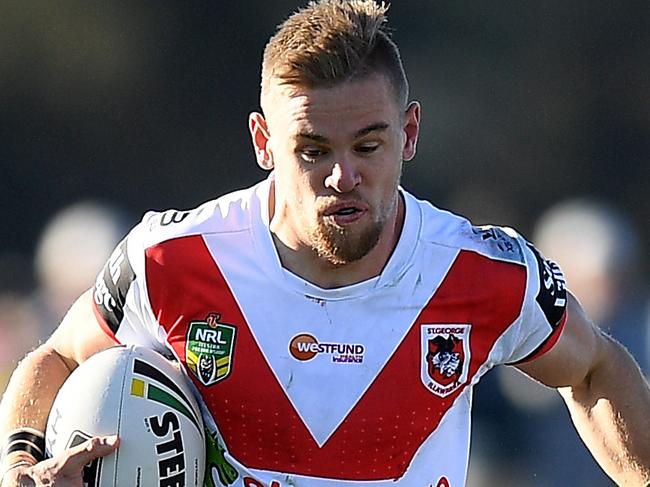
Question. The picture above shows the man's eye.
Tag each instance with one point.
(311, 153)
(368, 148)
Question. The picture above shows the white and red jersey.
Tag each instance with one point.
(367, 384)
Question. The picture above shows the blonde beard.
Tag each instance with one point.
(340, 246)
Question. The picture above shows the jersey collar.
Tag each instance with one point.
(397, 265)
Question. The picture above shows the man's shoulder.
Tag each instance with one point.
(228, 213)
(445, 228)
(502, 243)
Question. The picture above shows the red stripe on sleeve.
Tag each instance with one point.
(546, 344)
(103, 325)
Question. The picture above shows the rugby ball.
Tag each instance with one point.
(145, 399)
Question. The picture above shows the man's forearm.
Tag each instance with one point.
(610, 411)
(30, 393)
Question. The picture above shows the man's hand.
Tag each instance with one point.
(65, 470)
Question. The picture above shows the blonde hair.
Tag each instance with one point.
(332, 41)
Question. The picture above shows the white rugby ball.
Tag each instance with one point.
(142, 397)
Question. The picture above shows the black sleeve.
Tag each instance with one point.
(112, 285)
(552, 295)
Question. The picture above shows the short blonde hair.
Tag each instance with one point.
(332, 41)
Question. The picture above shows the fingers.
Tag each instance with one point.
(65, 468)
(17, 475)
(85, 453)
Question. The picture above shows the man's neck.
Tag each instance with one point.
(306, 263)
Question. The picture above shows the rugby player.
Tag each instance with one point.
(354, 319)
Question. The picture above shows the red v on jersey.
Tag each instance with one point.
(312, 386)
(381, 434)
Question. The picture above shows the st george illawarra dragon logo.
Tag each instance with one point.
(445, 357)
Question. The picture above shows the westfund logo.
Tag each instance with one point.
(305, 347)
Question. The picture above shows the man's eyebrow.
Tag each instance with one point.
(312, 136)
(371, 128)
(360, 133)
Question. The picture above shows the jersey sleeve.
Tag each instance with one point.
(543, 313)
(120, 299)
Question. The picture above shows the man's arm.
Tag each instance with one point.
(35, 382)
(606, 393)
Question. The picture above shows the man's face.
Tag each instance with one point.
(337, 154)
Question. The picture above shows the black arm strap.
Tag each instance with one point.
(27, 440)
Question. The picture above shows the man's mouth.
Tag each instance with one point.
(346, 213)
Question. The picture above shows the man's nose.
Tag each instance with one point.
(343, 178)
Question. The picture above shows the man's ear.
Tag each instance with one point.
(260, 136)
(411, 130)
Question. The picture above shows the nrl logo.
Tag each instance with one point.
(445, 357)
(209, 349)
